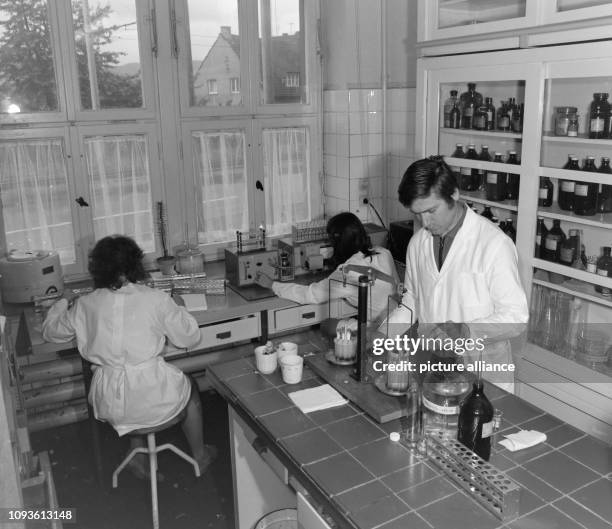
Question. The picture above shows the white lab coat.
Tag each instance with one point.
(325, 289)
(123, 333)
(478, 284)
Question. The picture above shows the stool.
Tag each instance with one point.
(153, 450)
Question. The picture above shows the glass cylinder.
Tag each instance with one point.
(398, 376)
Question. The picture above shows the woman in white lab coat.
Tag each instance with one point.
(351, 246)
(121, 328)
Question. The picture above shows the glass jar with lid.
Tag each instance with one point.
(562, 120)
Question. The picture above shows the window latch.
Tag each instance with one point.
(81, 202)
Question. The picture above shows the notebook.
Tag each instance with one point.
(194, 302)
(317, 398)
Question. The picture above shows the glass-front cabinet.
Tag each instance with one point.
(529, 134)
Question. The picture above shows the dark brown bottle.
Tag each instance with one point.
(491, 124)
(487, 213)
(455, 117)
(604, 198)
(470, 101)
(513, 180)
(475, 424)
(600, 112)
(545, 194)
(458, 153)
(517, 119)
(566, 187)
(541, 231)
(551, 249)
(503, 121)
(585, 193)
(448, 107)
(509, 230)
(480, 173)
(570, 248)
(469, 177)
(495, 184)
(604, 268)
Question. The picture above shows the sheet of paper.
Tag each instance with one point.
(317, 398)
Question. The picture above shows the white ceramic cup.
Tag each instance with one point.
(265, 359)
(287, 349)
(292, 367)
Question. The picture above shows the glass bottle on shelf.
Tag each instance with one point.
(585, 193)
(541, 231)
(512, 180)
(503, 121)
(495, 185)
(470, 101)
(604, 268)
(570, 248)
(448, 107)
(469, 176)
(509, 229)
(484, 156)
(457, 153)
(562, 120)
(566, 187)
(480, 118)
(600, 111)
(573, 126)
(545, 194)
(604, 198)
(475, 423)
(553, 240)
(487, 213)
(517, 118)
(455, 117)
(490, 113)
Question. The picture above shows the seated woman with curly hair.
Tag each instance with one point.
(121, 328)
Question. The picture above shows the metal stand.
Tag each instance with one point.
(360, 373)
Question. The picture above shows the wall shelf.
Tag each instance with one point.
(581, 275)
(579, 176)
(484, 133)
(577, 289)
(581, 139)
(479, 197)
(601, 220)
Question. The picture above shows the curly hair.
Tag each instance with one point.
(113, 260)
(347, 236)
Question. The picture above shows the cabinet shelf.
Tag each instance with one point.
(578, 176)
(581, 139)
(484, 133)
(479, 198)
(580, 275)
(578, 289)
(601, 220)
(487, 166)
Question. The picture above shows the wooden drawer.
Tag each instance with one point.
(227, 332)
(301, 316)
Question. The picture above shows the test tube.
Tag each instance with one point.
(414, 417)
(497, 419)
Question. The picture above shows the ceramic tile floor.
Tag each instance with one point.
(185, 502)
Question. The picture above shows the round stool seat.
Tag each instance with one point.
(154, 429)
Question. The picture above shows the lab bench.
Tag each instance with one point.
(339, 468)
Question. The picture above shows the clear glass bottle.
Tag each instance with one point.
(491, 124)
(604, 198)
(551, 250)
(475, 423)
(545, 194)
(448, 107)
(585, 193)
(541, 231)
(604, 268)
(470, 101)
(562, 120)
(565, 197)
(495, 184)
(513, 180)
(600, 111)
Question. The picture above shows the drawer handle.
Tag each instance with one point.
(224, 335)
(308, 315)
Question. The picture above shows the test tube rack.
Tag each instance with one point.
(189, 283)
(489, 486)
(249, 241)
(314, 230)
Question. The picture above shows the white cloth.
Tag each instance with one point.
(523, 439)
(478, 284)
(123, 332)
(319, 292)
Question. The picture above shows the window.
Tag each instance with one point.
(212, 87)
(291, 80)
(89, 104)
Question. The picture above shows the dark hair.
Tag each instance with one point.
(426, 176)
(113, 260)
(347, 236)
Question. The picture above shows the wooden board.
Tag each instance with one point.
(382, 408)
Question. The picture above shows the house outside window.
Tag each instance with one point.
(235, 85)
(212, 87)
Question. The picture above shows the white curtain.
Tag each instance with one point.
(120, 187)
(286, 178)
(35, 197)
(221, 180)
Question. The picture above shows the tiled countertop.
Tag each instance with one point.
(369, 481)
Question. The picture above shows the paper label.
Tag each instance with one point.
(601, 272)
(491, 178)
(538, 240)
(581, 190)
(597, 125)
(568, 186)
(487, 429)
(543, 193)
(504, 122)
(551, 244)
(466, 171)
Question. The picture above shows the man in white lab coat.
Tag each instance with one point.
(462, 276)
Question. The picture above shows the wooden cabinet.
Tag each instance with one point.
(543, 79)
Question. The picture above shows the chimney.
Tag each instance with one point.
(226, 31)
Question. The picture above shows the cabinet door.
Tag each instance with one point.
(572, 10)
(439, 19)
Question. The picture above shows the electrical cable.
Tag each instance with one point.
(366, 201)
